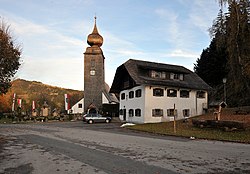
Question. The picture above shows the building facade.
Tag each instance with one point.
(96, 91)
(107, 99)
(153, 92)
(93, 71)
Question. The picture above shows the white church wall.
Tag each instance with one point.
(78, 108)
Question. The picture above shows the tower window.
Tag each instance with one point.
(92, 63)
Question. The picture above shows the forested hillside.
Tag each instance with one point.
(30, 91)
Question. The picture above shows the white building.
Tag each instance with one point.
(78, 108)
(107, 98)
(154, 92)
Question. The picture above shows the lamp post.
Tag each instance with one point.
(224, 80)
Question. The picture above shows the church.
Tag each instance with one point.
(96, 91)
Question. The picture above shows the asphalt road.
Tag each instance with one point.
(76, 147)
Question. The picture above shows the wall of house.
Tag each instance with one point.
(133, 103)
(147, 102)
(193, 104)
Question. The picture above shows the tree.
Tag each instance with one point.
(230, 44)
(10, 53)
(5, 103)
(211, 66)
(238, 48)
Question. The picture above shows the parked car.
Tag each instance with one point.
(96, 118)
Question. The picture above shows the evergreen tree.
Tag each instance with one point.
(211, 66)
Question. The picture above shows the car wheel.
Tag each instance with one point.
(90, 121)
(107, 120)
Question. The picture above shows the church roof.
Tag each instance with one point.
(136, 72)
(111, 97)
(95, 39)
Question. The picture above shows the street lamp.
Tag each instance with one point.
(224, 80)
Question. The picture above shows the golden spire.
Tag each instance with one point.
(95, 39)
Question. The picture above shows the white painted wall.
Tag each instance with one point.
(147, 102)
(134, 103)
(76, 110)
(104, 99)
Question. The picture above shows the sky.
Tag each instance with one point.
(53, 34)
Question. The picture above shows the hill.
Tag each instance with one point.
(30, 91)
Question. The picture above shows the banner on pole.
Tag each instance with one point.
(13, 102)
(33, 105)
(19, 102)
(67, 102)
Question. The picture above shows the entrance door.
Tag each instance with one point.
(124, 114)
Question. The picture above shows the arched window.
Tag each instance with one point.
(138, 93)
(131, 112)
(138, 112)
(131, 94)
(123, 96)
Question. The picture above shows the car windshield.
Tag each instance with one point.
(93, 115)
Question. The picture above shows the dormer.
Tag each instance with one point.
(176, 76)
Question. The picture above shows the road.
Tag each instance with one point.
(76, 147)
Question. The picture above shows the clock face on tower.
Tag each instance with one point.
(92, 72)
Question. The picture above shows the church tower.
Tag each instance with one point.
(93, 71)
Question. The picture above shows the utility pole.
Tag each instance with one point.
(225, 92)
(174, 120)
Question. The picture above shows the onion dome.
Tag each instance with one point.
(95, 39)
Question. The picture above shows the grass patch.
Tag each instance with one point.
(186, 129)
(5, 120)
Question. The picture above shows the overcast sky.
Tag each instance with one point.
(53, 34)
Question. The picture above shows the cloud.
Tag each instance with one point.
(67, 73)
(182, 53)
(201, 14)
(170, 27)
(48, 55)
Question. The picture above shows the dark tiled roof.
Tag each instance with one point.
(137, 71)
(110, 96)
